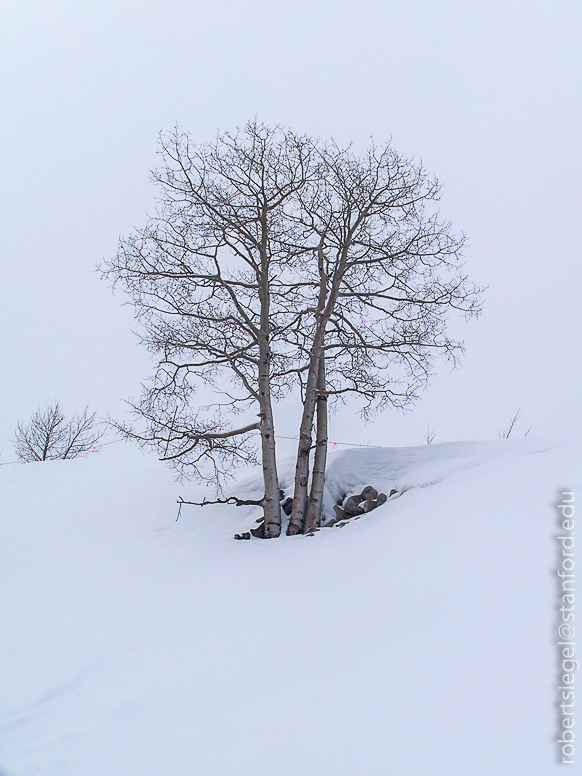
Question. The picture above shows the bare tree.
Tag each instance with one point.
(276, 259)
(507, 432)
(49, 435)
(384, 276)
(429, 435)
(211, 280)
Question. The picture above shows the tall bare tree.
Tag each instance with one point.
(211, 279)
(385, 275)
(275, 258)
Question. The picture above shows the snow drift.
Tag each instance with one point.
(417, 640)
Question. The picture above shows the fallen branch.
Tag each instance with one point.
(239, 502)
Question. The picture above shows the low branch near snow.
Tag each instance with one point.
(239, 502)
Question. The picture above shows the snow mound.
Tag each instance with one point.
(417, 640)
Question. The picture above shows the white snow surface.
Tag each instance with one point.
(418, 640)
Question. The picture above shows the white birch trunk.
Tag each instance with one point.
(272, 498)
(271, 503)
(314, 506)
(326, 303)
(297, 519)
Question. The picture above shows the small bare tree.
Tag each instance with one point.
(49, 435)
(507, 432)
(429, 434)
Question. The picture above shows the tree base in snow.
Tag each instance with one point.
(353, 507)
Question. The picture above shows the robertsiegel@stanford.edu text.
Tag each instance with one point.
(566, 633)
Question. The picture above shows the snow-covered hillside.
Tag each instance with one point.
(418, 640)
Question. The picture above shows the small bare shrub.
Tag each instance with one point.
(49, 435)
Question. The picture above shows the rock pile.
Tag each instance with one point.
(357, 505)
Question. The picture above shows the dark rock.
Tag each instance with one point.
(392, 492)
(287, 505)
(369, 493)
(245, 535)
(372, 503)
(352, 506)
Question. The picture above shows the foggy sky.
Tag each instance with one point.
(486, 93)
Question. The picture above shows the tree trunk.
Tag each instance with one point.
(297, 519)
(326, 302)
(315, 503)
(272, 499)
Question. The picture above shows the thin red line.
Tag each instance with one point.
(347, 444)
(114, 441)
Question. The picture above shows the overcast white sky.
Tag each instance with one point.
(486, 93)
